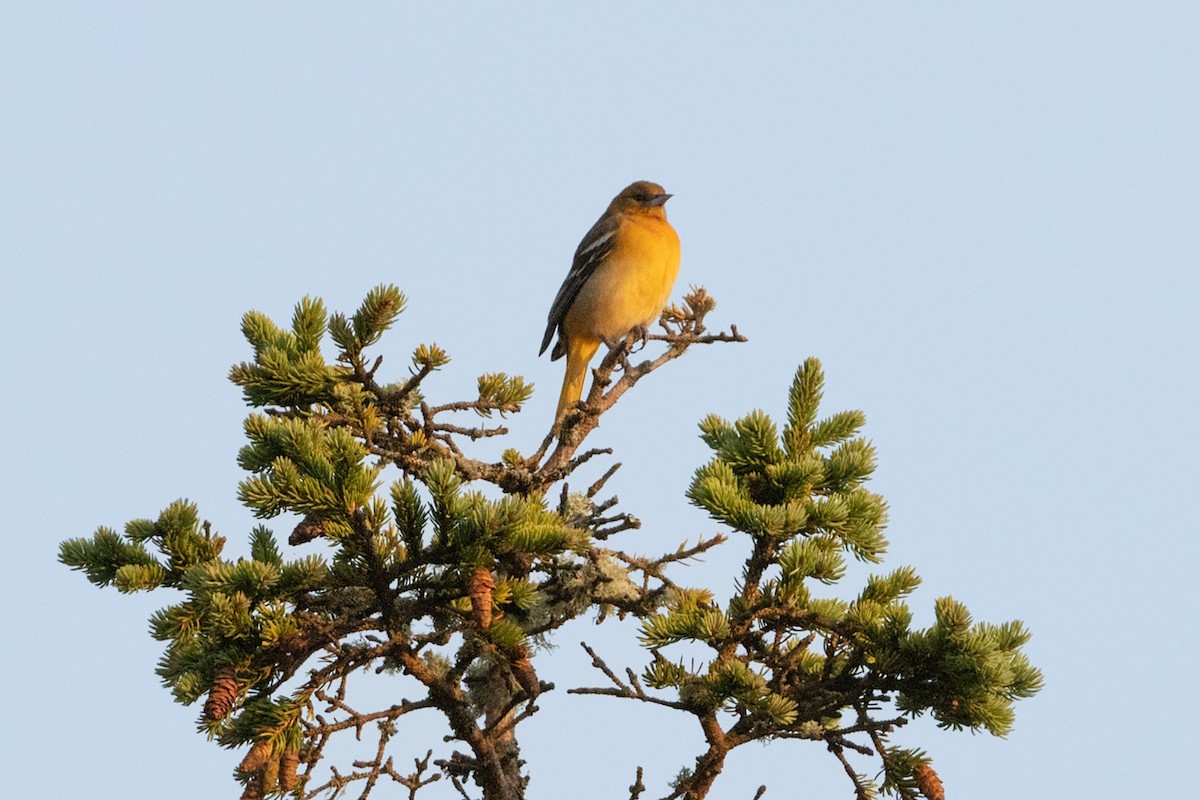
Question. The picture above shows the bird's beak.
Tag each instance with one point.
(658, 200)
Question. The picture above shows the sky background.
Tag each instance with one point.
(981, 217)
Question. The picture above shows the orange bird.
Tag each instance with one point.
(619, 281)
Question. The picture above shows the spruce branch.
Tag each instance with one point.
(453, 592)
(801, 503)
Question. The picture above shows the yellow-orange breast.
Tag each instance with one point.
(629, 289)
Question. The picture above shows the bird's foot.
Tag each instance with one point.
(637, 338)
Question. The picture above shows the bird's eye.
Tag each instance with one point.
(640, 197)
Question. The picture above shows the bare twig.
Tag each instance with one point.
(599, 484)
(415, 781)
(413, 382)
(458, 785)
(599, 664)
(633, 691)
(860, 789)
(635, 790)
(654, 566)
(471, 433)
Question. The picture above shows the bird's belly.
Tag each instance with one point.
(620, 297)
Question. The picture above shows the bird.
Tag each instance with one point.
(620, 278)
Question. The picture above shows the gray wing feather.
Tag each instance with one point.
(594, 248)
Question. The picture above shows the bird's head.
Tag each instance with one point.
(642, 197)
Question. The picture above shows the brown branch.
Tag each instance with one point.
(413, 382)
(506, 721)
(580, 460)
(684, 328)
(861, 791)
(358, 721)
(370, 374)
(540, 453)
(414, 781)
(599, 664)
(712, 761)
(614, 376)
(635, 791)
(369, 771)
(471, 433)
(476, 405)
(872, 726)
(599, 484)
(654, 567)
(633, 691)
(452, 702)
(841, 742)
(617, 524)
(458, 785)
(378, 765)
(630, 695)
(687, 339)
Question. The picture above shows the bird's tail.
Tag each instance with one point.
(579, 355)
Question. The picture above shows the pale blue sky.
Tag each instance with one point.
(983, 218)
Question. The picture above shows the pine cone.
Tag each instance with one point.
(523, 671)
(929, 783)
(222, 695)
(289, 763)
(480, 587)
(270, 774)
(257, 758)
(254, 789)
(309, 528)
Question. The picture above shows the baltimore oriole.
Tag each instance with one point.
(619, 281)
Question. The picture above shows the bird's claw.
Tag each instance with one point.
(637, 338)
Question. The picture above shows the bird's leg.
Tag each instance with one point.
(637, 338)
(631, 342)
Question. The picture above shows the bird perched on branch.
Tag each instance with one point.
(619, 282)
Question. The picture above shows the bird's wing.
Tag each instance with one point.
(592, 251)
